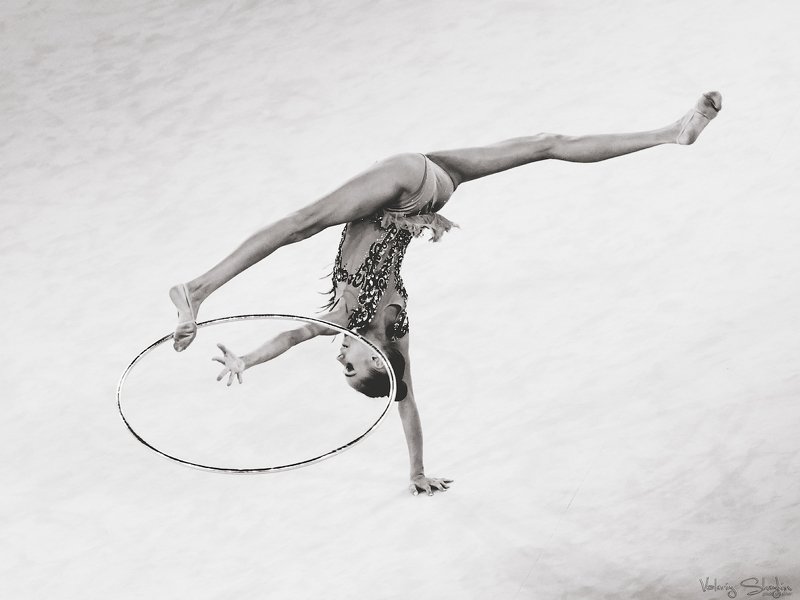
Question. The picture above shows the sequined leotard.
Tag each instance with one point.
(378, 272)
(382, 240)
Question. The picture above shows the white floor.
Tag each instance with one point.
(606, 356)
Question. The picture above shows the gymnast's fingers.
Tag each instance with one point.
(239, 376)
(423, 485)
(230, 379)
(225, 351)
(222, 374)
(219, 359)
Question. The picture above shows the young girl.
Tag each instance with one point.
(383, 208)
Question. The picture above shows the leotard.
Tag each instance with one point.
(370, 286)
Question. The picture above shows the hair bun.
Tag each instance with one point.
(402, 390)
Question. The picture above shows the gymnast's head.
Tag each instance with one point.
(365, 371)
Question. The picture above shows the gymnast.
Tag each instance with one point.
(383, 208)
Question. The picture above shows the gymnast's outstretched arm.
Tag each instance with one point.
(235, 365)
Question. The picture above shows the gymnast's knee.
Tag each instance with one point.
(535, 147)
(546, 142)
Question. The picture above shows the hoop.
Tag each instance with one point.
(273, 469)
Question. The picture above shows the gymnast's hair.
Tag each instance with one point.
(376, 383)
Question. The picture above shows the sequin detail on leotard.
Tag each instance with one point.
(381, 264)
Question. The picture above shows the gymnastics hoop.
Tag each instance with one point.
(275, 469)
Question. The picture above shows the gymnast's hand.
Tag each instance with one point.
(420, 483)
(234, 365)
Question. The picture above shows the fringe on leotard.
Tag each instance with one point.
(417, 224)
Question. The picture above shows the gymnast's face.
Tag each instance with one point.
(358, 361)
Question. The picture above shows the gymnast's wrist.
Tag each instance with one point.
(249, 361)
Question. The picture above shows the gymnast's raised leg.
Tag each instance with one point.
(380, 185)
(466, 164)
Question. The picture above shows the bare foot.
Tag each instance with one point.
(693, 122)
(186, 330)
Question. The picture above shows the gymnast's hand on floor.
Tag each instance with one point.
(420, 483)
(234, 365)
